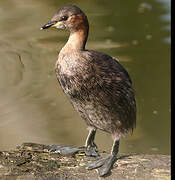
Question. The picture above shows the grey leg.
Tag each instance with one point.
(105, 164)
(91, 147)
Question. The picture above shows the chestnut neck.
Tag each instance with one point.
(77, 39)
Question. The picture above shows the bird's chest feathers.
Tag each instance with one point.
(71, 74)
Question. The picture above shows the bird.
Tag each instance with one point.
(96, 84)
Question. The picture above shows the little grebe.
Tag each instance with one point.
(97, 85)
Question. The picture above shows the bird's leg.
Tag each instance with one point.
(105, 164)
(91, 147)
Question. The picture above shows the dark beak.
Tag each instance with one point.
(49, 24)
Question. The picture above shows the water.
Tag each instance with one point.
(33, 107)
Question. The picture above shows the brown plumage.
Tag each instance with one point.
(96, 84)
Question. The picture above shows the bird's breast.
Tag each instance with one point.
(72, 76)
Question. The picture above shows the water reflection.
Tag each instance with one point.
(34, 108)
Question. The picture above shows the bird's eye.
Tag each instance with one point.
(64, 18)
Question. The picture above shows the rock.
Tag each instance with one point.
(32, 161)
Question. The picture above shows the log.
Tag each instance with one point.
(31, 161)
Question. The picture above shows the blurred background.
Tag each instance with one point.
(33, 107)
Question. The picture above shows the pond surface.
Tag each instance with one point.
(33, 107)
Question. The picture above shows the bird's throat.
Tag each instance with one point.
(77, 41)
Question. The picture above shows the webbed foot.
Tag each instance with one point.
(104, 165)
(71, 150)
(65, 150)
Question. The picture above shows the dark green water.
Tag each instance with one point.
(32, 105)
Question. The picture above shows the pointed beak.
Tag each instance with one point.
(57, 24)
(49, 24)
